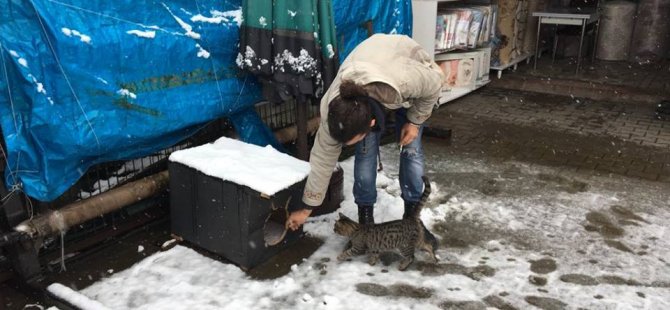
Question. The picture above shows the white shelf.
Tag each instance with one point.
(424, 18)
(458, 92)
(513, 63)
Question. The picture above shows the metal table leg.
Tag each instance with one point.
(581, 43)
(595, 41)
(537, 41)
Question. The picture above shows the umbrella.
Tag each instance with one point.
(290, 46)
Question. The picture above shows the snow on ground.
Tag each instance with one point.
(512, 235)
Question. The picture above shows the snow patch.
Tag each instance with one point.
(71, 32)
(13, 53)
(126, 93)
(262, 21)
(299, 64)
(23, 62)
(202, 52)
(143, 34)
(331, 51)
(245, 60)
(264, 169)
(218, 17)
(235, 15)
(292, 13)
(188, 28)
(101, 80)
(74, 298)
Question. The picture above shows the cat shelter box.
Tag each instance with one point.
(232, 199)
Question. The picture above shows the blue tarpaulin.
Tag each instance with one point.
(387, 16)
(86, 82)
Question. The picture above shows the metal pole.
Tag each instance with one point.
(595, 41)
(581, 42)
(537, 41)
(84, 210)
(301, 122)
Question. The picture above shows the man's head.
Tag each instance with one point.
(350, 115)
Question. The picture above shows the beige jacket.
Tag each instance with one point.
(394, 60)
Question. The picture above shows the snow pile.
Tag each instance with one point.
(39, 87)
(263, 169)
(509, 229)
(126, 93)
(71, 32)
(202, 52)
(300, 64)
(218, 17)
(188, 28)
(74, 298)
(143, 34)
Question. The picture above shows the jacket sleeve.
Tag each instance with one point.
(322, 161)
(424, 82)
(423, 92)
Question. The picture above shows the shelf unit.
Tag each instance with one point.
(514, 63)
(425, 14)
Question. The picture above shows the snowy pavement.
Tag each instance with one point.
(513, 237)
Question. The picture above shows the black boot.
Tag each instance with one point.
(428, 236)
(366, 215)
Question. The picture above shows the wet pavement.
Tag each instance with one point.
(538, 198)
(571, 133)
(622, 82)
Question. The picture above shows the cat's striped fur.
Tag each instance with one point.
(402, 236)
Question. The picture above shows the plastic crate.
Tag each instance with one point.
(226, 218)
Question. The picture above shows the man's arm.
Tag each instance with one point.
(322, 161)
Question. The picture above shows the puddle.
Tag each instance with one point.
(546, 303)
(372, 289)
(626, 214)
(617, 245)
(543, 266)
(489, 188)
(497, 302)
(410, 291)
(579, 279)
(280, 264)
(464, 233)
(602, 223)
(462, 305)
(616, 280)
(563, 183)
(395, 290)
(476, 273)
(609, 279)
(539, 281)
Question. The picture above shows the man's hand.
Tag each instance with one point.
(408, 133)
(297, 218)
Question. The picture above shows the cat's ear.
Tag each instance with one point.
(342, 215)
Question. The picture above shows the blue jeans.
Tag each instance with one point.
(411, 166)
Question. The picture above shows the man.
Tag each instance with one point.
(383, 72)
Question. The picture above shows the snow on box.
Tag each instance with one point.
(263, 169)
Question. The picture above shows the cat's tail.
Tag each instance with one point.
(424, 198)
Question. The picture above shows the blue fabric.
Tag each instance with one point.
(366, 161)
(387, 16)
(78, 87)
(68, 109)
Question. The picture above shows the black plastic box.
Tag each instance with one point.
(226, 218)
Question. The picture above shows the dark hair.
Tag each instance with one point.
(349, 114)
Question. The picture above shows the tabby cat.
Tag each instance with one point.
(404, 236)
